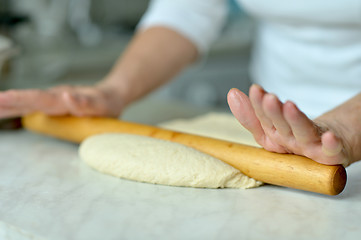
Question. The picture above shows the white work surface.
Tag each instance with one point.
(47, 193)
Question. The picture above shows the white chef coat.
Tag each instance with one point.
(306, 51)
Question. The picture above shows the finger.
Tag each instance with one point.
(20, 102)
(80, 104)
(303, 129)
(273, 110)
(332, 147)
(242, 109)
(256, 95)
(76, 104)
(12, 98)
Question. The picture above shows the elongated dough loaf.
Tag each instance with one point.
(158, 161)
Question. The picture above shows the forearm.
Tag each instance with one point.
(345, 120)
(152, 58)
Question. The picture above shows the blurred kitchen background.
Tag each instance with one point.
(51, 42)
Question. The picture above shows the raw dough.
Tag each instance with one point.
(157, 161)
(217, 125)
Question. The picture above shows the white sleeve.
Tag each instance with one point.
(198, 20)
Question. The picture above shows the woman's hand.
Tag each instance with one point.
(62, 100)
(152, 58)
(283, 128)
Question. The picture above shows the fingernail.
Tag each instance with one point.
(234, 91)
(258, 88)
(271, 95)
(256, 85)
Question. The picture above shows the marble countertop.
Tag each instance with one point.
(47, 193)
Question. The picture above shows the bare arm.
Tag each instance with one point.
(152, 58)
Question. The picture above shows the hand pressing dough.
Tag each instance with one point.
(157, 161)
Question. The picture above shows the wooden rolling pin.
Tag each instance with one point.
(286, 170)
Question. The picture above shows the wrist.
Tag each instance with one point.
(116, 88)
(116, 95)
